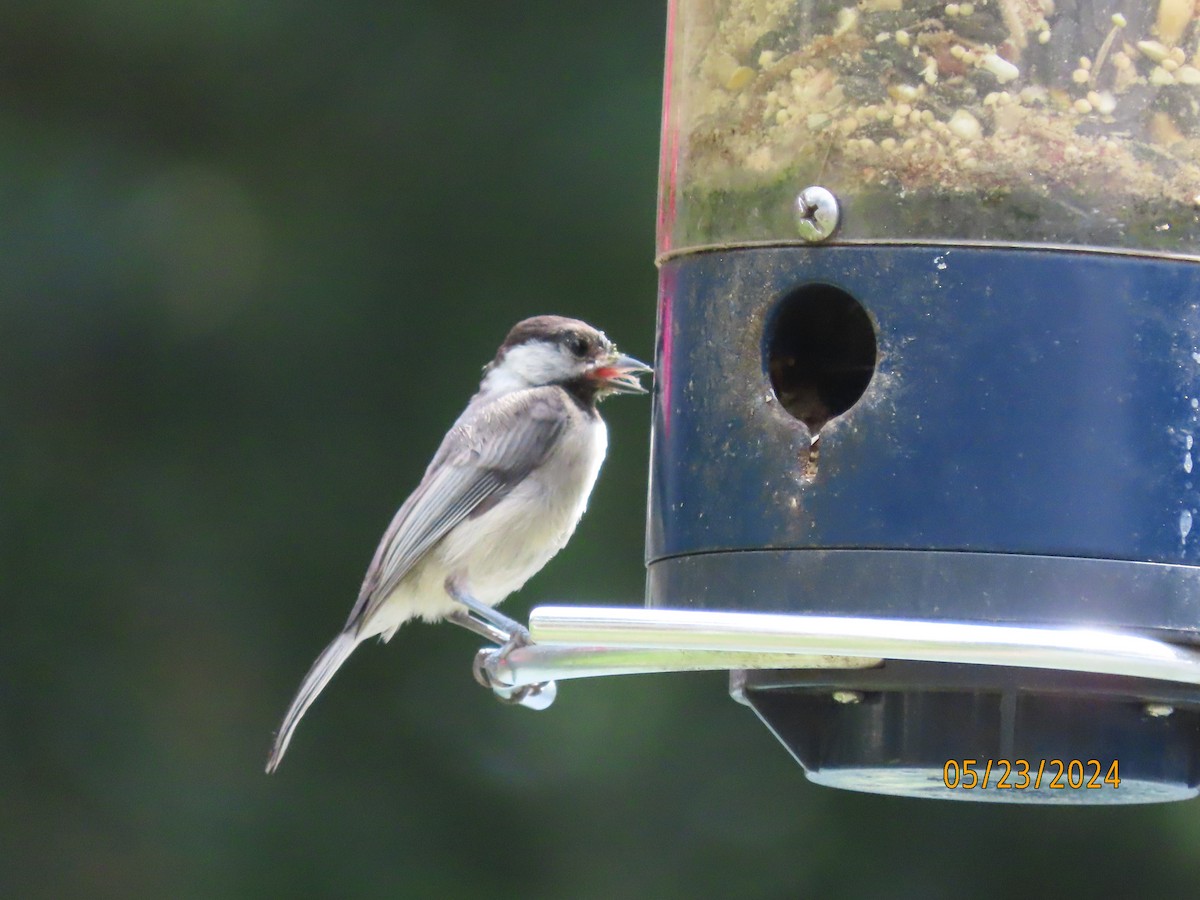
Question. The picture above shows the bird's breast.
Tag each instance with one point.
(501, 549)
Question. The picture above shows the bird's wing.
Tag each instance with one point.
(489, 451)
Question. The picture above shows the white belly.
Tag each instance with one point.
(495, 553)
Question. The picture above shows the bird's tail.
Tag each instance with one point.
(318, 676)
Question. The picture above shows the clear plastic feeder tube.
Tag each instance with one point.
(1006, 121)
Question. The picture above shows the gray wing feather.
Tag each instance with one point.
(490, 450)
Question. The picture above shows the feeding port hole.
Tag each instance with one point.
(820, 353)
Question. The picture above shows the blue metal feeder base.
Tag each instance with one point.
(1002, 435)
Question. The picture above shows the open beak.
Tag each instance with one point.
(619, 374)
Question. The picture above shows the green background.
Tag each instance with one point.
(253, 255)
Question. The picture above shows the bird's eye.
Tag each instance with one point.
(578, 346)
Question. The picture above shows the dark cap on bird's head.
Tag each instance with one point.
(553, 330)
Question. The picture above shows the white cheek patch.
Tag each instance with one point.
(538, 363)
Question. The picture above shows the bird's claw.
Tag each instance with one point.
(517, 639)
(479, 668)
(531, 696)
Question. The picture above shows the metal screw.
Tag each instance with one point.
(1158, 710)
(849, 697)
(817, 213)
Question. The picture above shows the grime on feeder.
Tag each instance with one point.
(993, 120)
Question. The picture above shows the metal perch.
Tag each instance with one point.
(587, 642)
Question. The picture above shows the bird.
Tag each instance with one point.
(502, 495)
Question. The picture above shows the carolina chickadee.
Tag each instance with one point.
(502, 496)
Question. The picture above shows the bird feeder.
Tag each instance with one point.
(927, 393)
(929, 352)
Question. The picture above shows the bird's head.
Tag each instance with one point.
(548, 350)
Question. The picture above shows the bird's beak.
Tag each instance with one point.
(619, 374)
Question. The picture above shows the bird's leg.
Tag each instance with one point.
(503, 630)
(488, 632)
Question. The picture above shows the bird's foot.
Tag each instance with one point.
(531, 696)
(518, 639)
(511, 635)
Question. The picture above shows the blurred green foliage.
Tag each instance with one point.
(253, 255)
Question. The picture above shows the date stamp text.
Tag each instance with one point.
(1030, 774)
